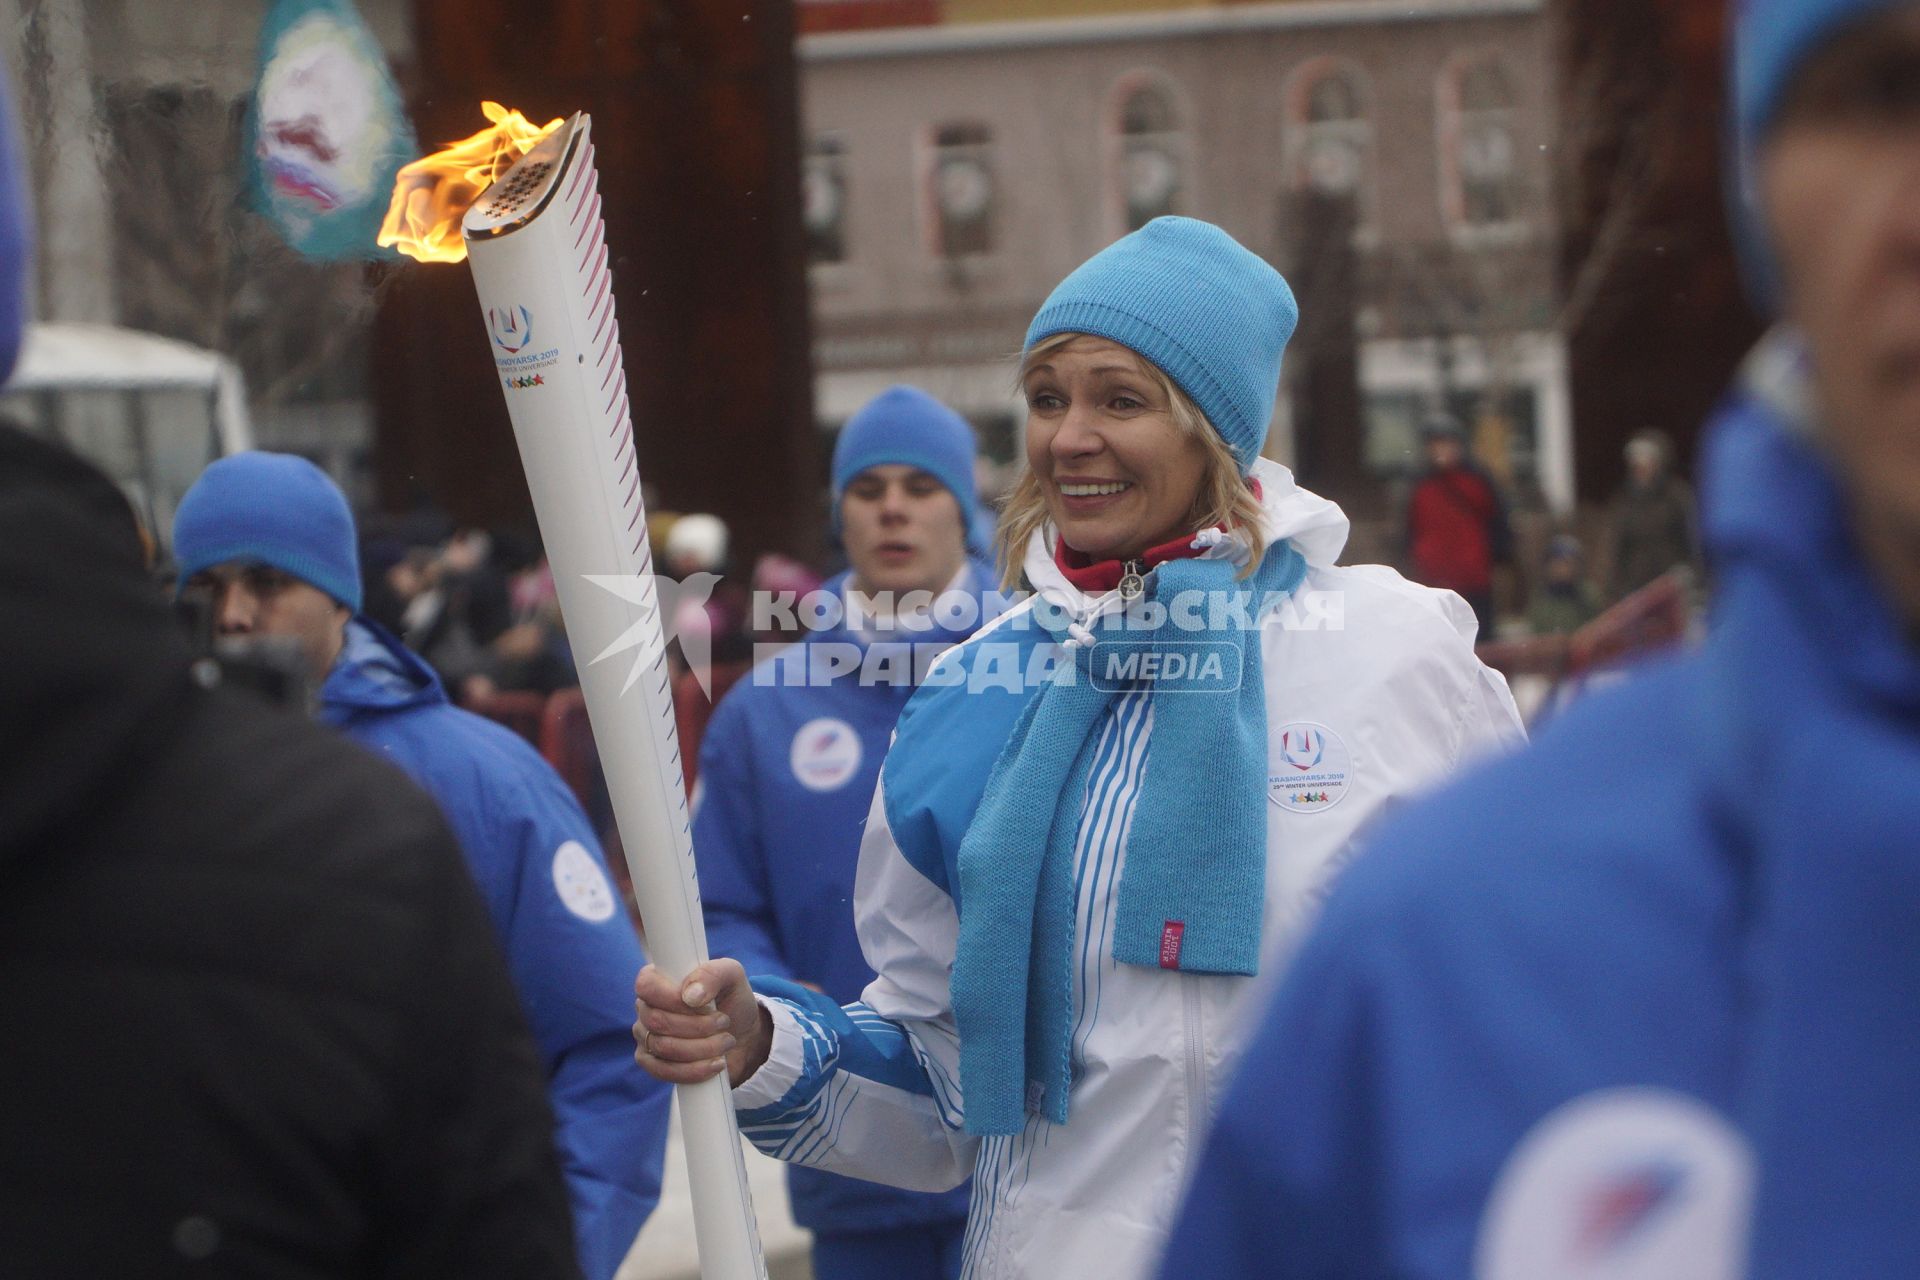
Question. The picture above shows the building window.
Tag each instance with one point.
(823, 198)
(1149, 153)
(1479, 152)
(1330, 142)
(959, 190)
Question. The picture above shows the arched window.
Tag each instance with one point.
(959, 190)
(1149, 152)
(823, 198)
(1480, 155)
(1329, 139)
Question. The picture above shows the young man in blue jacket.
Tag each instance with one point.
(1642, 1001)
(267, 542)
(789, 762)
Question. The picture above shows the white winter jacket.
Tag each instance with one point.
(1372, 693)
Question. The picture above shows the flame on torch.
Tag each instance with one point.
(432, 194)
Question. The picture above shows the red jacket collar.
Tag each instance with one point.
(1092, 577)
(1096, 576)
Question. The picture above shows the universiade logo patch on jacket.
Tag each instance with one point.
(1312, 770)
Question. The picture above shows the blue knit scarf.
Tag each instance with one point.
(1193, 890)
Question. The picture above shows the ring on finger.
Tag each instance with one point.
(646, 1042)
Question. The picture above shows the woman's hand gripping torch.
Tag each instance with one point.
(538, 250)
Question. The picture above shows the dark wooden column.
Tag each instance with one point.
(695, 120)
(1657, 318)
(1329, 430)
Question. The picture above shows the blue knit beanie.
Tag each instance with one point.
(274, 509)
(906, 426)
(1772, 39)
(1210, 314)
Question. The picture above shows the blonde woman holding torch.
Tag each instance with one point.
(1108, 812)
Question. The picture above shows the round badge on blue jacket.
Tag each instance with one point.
(582, 886)
(825, 754)
(1627, 1183)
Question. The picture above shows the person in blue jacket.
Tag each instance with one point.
(266, 542)
(787, 771)
(1642, 1001)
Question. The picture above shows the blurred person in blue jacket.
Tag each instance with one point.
(265, 542)
(1640, 1002)
(788, 765)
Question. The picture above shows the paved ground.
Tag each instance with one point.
(666, 1249)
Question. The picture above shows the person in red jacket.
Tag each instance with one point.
(1456, 521)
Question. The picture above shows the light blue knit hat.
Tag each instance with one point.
(905, 425)
(271, 508)
(1772, 39)
(1206, 311)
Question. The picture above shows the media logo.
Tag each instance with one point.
(1183, 666)
(661, 604)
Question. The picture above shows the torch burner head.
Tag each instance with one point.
(523, 192)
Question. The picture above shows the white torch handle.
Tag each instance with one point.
(539, 258)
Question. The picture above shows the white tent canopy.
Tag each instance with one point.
(98, 357)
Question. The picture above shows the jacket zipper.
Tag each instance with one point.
(1133, 580)
(1198, 1111)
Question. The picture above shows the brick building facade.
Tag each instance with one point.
(1390, 158)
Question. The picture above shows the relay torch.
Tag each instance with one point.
(537, 246)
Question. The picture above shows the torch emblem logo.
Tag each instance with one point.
(1302, 747)
(511, 327)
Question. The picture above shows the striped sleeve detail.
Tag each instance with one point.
(946, 1089)
(802, 1034)
(838, 1050)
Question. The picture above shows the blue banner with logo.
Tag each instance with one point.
(327, 133)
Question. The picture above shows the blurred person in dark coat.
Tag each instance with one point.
(1651, 527)
(256, 1020)
(457, 603)
(266, 543)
